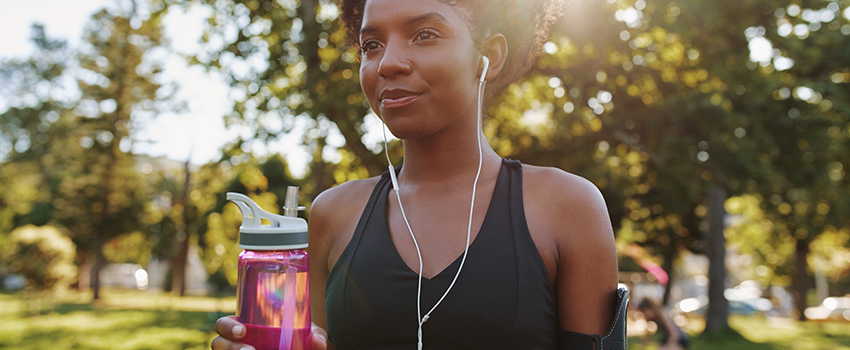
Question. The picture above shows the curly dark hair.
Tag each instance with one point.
(524, 23)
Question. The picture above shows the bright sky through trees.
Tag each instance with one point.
(200, 130)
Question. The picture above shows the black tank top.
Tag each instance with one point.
(503, 298)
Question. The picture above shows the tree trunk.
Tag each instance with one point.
(802, 281)
(84, 279)
(310, 45)
(99, 263)
(670, 254)
(718, 306)
(179, 262)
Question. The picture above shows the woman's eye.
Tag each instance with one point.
(368, 46)
(425, 35)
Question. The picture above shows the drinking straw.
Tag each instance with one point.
(288, 322)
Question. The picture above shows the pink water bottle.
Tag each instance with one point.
(273, 291)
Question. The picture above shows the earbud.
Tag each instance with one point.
(486, 66)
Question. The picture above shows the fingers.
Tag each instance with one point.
(229, 328)
(320, 338)
(220, 343)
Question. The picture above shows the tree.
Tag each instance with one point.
(101, 195)
(288, 64)
(43, 255)
(37, 101)
(801, 124)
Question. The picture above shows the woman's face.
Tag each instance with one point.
(419, 65)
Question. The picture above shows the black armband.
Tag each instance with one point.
(615, 339)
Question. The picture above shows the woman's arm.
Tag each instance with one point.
(333, 219)
(320, 242)
(570, 212)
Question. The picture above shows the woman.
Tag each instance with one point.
(672, 337)
(536, 265)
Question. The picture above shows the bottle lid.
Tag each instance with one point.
(283, 232)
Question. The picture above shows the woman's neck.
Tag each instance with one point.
(443, 157)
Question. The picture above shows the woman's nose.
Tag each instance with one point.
(394, 61)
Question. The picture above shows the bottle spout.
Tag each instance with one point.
(290, 204)
(282, 232)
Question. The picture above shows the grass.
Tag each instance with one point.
(137, 320)
(760, 333)
(122, 320)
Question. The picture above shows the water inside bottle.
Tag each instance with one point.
(262, 295)
(262, 304)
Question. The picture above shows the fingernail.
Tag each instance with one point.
(239, 331)
(246, 347)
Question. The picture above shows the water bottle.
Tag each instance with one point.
(273, 291)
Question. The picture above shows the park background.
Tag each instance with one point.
(716, 130)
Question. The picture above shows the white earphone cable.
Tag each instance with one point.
(420, 319)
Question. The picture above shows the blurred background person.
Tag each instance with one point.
(672, 337)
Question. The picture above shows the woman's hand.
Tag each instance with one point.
(230, 331)
(320, 338)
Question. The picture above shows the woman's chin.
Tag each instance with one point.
(407, 134)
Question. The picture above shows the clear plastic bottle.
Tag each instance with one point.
(273, 291)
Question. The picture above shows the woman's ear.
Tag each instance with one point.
(496, 49)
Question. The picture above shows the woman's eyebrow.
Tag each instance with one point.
(413, 20)
(426, 17)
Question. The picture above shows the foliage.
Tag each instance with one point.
(831, 256)
(264, 183)
(764, 252)
(38, 99)
(101, 194)
(71, 130)
(43, 255)
(288, 65)
(132, 247)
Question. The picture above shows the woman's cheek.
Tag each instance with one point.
(367, 84)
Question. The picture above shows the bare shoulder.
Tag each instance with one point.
(558, 182)
(343, 196)
(552, 189)
(568, 212)
(568, 208)
(341, 201)
(336, 211)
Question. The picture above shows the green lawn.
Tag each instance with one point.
(123, 320)
(760, 333)
(135, 320)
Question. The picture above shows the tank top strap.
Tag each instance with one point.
(377, 199)
(517, 211)
(374, 200)
(536, 294)
(519, 225)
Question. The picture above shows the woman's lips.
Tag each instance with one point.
(398, 102)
